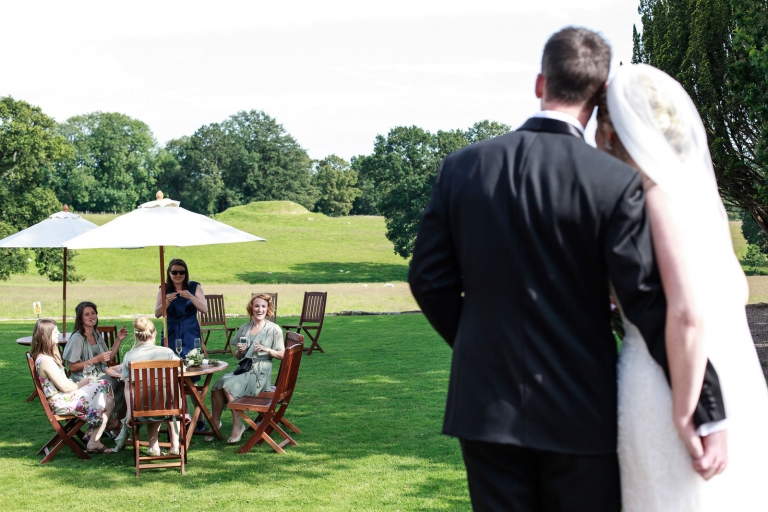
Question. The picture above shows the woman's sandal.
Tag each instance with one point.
(236, 439)
(208, 439)
(100, 449)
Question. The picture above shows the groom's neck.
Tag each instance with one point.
(582, 112)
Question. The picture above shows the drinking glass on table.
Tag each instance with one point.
(179, 346)
(198, 345)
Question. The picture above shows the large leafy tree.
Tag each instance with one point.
(114, 165)
(335, 181)
(718, 51)
(402, 171)
(248, 157)
(30, 149)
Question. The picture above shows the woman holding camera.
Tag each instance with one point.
(183, 299)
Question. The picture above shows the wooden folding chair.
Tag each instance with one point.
(312, 316)
(291, 339)
(157, 390)
(271, 409)
(110, 333)
(272, 318)
(67, 426)
(215, 317)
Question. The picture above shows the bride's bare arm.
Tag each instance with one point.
(686, 355)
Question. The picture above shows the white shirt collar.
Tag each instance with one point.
(560, 116)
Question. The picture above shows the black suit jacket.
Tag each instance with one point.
(511, 266)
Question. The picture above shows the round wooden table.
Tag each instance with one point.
(27, 340)
(196, 391)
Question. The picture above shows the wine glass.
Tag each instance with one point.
(179, 346)
(198, 344)
(88, 372)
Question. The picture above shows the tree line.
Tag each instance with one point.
(110, 162)
(718, 51)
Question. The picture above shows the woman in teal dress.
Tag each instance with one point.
(86, 349)
(261, 341)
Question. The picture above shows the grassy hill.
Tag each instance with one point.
(301, 247)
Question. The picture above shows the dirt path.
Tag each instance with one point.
(757, 315)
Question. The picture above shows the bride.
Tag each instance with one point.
(651, 123)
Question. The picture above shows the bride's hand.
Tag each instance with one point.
(687, 432)
(715, 458)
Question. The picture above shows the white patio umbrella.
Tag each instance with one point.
(53, 232)
(160, 223)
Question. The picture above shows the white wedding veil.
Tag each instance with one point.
(660, 128)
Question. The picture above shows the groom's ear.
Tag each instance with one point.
(541, 82)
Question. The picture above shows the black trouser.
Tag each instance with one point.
(511, 478)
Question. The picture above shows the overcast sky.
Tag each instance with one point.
(333, 73)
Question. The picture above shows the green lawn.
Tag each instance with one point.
(302, 247)
(370, 408)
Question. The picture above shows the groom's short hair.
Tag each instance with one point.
(575, 63)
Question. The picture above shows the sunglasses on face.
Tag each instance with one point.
(178, 272)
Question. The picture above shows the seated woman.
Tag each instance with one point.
(146, 350)
(88, 400)
(87, 348)
(263, 340)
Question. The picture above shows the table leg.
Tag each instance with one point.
(198, 398)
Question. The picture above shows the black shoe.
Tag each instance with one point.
(200, 426)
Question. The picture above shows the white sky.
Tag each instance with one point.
(334, 73)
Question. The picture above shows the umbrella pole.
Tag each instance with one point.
(64, 298)
(162, 297)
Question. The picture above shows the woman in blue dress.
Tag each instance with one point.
(184, 298)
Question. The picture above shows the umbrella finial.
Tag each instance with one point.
(66, 208)
(159, 195)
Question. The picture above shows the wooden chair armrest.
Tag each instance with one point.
(267, 394)
(292, 326)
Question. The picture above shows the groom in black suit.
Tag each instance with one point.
(511, 266)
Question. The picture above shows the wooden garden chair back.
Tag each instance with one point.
(157, 391)
(270, 409)
(215, 320)
(272, 318)
(291, 339)
(110, 333)
(311, 321)
(66, 427)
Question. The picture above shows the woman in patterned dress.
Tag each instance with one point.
(89, 400)
(264, 341)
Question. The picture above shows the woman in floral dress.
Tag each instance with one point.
(89, 400)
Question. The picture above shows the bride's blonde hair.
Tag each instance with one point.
(668, 120)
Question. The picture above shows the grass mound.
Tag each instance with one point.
(269, 208)
(302, 247)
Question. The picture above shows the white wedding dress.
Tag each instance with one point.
(656, 471)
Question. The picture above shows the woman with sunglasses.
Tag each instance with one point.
(184, 298)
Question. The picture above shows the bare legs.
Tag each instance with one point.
(94, 443)
(219, 398)
(153, 430)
